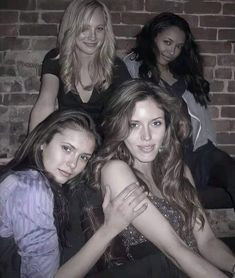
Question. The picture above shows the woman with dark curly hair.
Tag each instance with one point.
(142, 143)
(167, 54)
(34, 208)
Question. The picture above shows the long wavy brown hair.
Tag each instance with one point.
(168, 167)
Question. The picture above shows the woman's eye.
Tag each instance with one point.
(180, 46)
(85, 157)
(85, 28)
(67, 148)
(167, 42)
(157, 123)
(100, 28)
(133, 125)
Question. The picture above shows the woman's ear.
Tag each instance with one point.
(41, 147)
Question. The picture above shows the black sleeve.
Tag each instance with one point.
(50, 63)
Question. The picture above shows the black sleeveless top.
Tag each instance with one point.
(72, 100)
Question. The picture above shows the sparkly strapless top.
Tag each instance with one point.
(132, 237)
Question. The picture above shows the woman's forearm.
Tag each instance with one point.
(85, 259)
(172, 246)
(219, 254)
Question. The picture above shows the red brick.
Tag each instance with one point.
(191, 19)
(214, 47)
(223, 73)
(226, 138)
(202, 7)
(204, 33)
(217, 21)
(13, 44)
(32, 84)
(125, 44)
(228, 112)
(116, 18)
(125, 5)
(208, 73)
(226, 34)
(9, 86)
(26, 69)
(231, 86)
(38, 30)
(8, 30)
(222, 125)
(226, 60)
(214, 111)
(135, 18)
(51, 17)
(43, 44)
(1, 57)
(19, 112)
(126, 30)
(216, 86)
(229, 8)
(7, 70)
(17, 5)
(20, 99)
(52, 5)
(223, 99)
(29, 17)
(164, 6)
(209, 60)
(8, 17)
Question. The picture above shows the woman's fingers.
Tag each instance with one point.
(137, 198)
(127, 191)
(140, 210)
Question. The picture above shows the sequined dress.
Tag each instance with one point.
(131, 237)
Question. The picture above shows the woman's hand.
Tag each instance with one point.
(124, 208)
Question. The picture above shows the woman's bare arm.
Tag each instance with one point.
(156, 228)
(118, 215)
(46, 101)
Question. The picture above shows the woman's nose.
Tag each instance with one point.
(146, 134)
(92, 34)
(72, 162)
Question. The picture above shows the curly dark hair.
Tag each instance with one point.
(188, 65)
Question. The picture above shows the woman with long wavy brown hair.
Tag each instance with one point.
(143, 132)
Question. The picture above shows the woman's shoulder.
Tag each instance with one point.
(118, 175)
(50, 62)
(115, 164)
(52, 54)
(132, 64)
(24, 182)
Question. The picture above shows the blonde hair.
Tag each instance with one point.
(73, 21)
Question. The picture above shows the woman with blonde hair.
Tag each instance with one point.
(83, 70)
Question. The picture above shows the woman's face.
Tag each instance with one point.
(147, 131)
(92, 37)
(67, 154)
(169, 44)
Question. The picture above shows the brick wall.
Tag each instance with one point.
(28, 30)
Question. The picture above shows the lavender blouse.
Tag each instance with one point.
(26, 215)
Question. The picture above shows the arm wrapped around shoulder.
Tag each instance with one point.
(92, 218)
